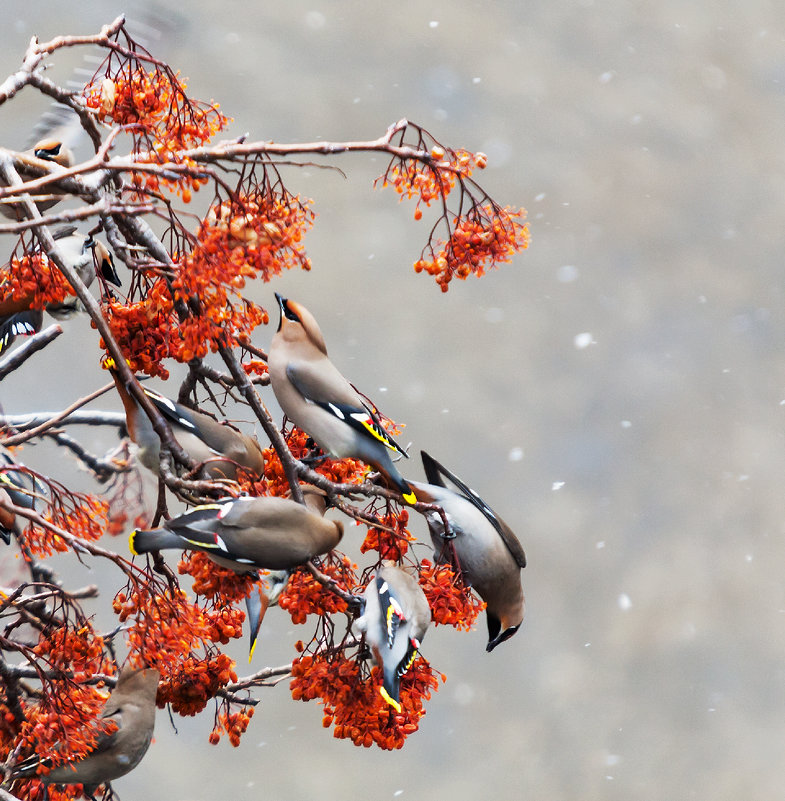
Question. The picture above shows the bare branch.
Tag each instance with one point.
(17, 439)
(35, 343)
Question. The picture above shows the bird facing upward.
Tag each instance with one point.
(314, 395)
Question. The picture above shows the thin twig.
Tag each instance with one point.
(17, 439)
(37, 342)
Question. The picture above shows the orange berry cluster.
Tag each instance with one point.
(354, 706)
(233, 723)
(167, 632)
(78, 649)
(34, 280)
(193, 682)
(392, 542)
(144, 330)
(479, 241)
(212, 580)
(209, 284)
(304, 595)
(452, 602)
(84, 516)
(155, 102)
(340, 471)
(261, 231)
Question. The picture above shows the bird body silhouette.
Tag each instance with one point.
(218, 447)
(489, 554)
(132, 707)
(315, 396)
(394, 621)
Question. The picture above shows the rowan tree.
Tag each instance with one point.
(194, 219)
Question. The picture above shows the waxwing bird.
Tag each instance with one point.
(489, 555)
(273, 582)
(21, 324)
(319, 400)
(218, 447)
(394, 621)
(50, 149)
(246, 535)
(132, 707)
(85, 255)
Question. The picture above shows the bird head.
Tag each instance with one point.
(297, 324)
(54, 150)
(104, 260)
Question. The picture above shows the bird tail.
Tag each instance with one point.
(391, 688)
(157, 539)
(399, 482)
(256, 604)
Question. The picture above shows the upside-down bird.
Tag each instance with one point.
(489, 555)
(394, 621)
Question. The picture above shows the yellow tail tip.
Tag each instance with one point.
(131, 539)
(390, 700)
(410, 497)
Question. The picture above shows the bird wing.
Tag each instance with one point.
(436, 473)
(174, 412)
(23, 323)
(106, 739)
(342, 402)
(198, 528)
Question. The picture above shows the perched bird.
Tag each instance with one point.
(246, 535)
(218, 447)
(395, 618)
(489, 555)
(85, 254)
(319, 400)
(51, 149)
(132, 707)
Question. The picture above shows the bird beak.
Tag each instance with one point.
(282, 307)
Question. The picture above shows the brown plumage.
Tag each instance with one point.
(246, 534)
(220, 448)
(51, 150)
(315, 396)
(490, 556)
(132, 707)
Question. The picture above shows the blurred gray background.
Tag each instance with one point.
(616, 393)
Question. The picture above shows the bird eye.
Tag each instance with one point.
(290, 313)
(48, 152)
